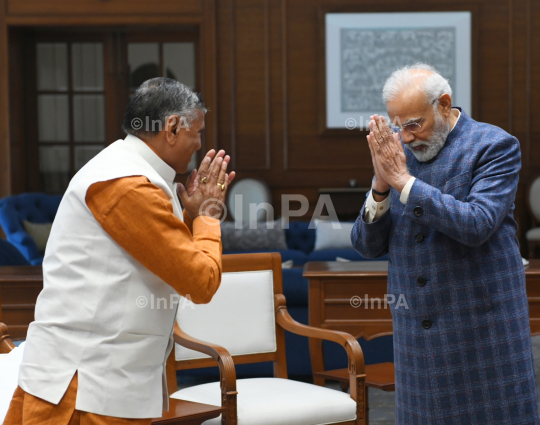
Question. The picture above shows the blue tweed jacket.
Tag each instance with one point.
(462, 344)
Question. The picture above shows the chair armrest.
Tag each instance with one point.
(347, 341)
(225, 362)
(6, 345)
(354, 351)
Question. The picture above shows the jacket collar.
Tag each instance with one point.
(147, 153)
(458, 129)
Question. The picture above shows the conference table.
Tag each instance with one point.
(350, 297)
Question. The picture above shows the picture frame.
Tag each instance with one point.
(363, 49)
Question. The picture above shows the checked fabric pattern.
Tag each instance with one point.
(462, 345)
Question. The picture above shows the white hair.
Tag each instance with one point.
(433, 86)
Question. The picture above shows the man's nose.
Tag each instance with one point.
(407, 136)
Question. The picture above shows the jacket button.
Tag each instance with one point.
(418, 211)
(426, 324)
(421, 281)
(419, 237)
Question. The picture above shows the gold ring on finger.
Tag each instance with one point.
(204, 179)
(221, 185)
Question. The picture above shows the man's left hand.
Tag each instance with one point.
(390, 156)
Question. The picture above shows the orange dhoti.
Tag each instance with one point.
(25, 409)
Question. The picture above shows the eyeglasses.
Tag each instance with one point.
(412, 127)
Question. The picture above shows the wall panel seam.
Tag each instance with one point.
(528, 46)
(510, 65)
(284, 83)
(267, 81)
(233, 84)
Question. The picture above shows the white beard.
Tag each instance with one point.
(435, 143)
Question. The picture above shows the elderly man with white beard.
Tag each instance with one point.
(442, 208)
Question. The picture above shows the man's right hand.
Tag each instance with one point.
(207, 187)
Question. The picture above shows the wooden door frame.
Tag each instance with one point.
(206, 21)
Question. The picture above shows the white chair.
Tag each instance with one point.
(533, 202)
(248, 316)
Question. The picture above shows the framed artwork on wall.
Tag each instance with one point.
(363, 49)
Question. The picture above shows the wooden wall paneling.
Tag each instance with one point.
(251, 84)
(89, 20)
(111, 7)
(510, 64)
(532, 101)
(262, 62)
(518, 104)
(267, 100)
(276, 162)
(284, 85)
(533, 86)
(519, 68)
(306, 150)
(5, 166)
(494, 48)
(225, 78)
(208, 61)
(528, 103)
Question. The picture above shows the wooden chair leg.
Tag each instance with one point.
(230, 417)
(360, 394)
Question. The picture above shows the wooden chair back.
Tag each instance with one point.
(243, 263)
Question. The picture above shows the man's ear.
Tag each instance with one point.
(171, 128)
(446, 103)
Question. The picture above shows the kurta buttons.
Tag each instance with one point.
(419, 237)
(418, 211)
(421, 281)
(426, 324)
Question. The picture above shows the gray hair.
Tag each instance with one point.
(433, 86)
(155, 101)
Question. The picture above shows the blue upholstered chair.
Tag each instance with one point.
(32, 207)
(10, 256)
